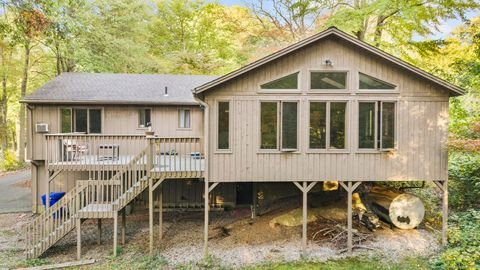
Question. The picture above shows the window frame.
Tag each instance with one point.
(396, 90)
(346, 90)
(138, 118)
(178, 119)
(230, 126)
(284, 91)
(279, 148)
(328, 148)
(378, 125)
(72, 109)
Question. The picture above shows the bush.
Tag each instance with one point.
(464, 180)
(9, 161)
(463, 250)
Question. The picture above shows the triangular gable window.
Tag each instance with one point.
(289, 82)
(369, 82)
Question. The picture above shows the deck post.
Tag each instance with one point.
(304, 218)
(160, 212)
(445, 213)
(99, 226)
(350, 187)
(47, 192)
(79, 238)
(124, 225)
(205, 228)
(150, 212)
(443, 186)
(349, 216)
(115, 233)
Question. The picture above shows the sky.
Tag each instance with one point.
(444, 30)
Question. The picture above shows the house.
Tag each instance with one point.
(328, 108)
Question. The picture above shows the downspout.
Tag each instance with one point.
(34, 178)
(34, 186)
(206, 128)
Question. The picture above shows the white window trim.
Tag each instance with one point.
(377, 149)
(178, 119)
(230, 127)
(346, 90)
(327, 148)
(102, 117)
(138, 118)
(278, 148)
(284, 91)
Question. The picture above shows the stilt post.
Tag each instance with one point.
(349, 216)
(304, 218)
(115, 233)
(160, 212)
(99, 226)
(205, 228)
(124, 225)
(445, 213)
(79, 238)
(150, 213)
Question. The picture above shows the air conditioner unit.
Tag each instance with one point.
(41, 127)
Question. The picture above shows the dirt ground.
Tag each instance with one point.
(235, 240)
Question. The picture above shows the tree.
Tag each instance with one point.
(29, 24)
(193, 37)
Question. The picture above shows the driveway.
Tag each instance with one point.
(15, 192)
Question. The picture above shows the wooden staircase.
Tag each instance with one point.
(88, 199)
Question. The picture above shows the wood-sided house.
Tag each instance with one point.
(327, 108)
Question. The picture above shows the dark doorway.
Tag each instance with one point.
(244, 193)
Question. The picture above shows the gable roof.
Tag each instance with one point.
(102, 88)
(332, 31)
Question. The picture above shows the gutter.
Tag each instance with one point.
(105, 102)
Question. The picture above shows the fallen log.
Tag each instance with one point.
(403, 210)
(61, 265)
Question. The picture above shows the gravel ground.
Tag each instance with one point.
(244, 243)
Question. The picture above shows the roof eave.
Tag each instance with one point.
(102, 102)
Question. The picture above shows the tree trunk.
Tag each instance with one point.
(22, 115)
(3, 104)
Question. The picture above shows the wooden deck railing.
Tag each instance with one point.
(84, 151)
(98, 152)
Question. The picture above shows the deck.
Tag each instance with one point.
(171, 157)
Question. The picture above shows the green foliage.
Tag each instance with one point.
(357, 263)
(463, 250)
(9, 162)
(464, 180)
(31, 262)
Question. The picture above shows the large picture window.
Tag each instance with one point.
(279, 114)
(376, 128)
(223, 125)
(327, 118)
(82, 120)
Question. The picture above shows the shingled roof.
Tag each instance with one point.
(102, 88)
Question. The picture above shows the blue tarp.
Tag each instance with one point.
(54, 197)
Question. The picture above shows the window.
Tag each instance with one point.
(328, 80)
(80, 120)
(289, 82)
(66, 120)
(333, 123)
(184, 118)
(95, 121)
(376, 125)
(369, 82)
(268, 125)
(144, 118)
(223, 125)
(272, 115)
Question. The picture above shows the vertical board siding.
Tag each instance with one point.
(421, 123)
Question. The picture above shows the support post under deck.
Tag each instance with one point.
(99, 225)
(304, 188)
(160, 212)
(79, 238)
(443, 186)
(350, 187)
(124, 225)
(208, 189)
(115, 233)
(150, 212)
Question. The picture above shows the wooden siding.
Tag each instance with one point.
(117, 120)
(421, 123)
